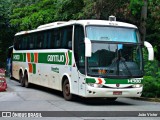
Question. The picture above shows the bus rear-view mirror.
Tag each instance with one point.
(150, 50)
(88, 47)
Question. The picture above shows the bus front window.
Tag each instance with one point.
(116, 52)
(112, 34)
(115, 60)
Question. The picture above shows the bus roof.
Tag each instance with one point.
(82, 22)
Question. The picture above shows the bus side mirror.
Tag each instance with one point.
(88, 47)
(150, 50)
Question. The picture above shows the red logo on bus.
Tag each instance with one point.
(117, 85)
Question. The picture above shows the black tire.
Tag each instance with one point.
(21, 80)
(26, 83)
(66, 90)
(12, 78)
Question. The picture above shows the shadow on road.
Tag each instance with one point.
(100, 101)
(77, 99)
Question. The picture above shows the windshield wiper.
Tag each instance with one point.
(124, 62)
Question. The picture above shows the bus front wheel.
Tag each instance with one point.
(66, 90)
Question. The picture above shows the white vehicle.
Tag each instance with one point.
(88, 58)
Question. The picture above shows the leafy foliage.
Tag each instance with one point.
(29, 17)
(45, 11)
(151, 87)
(136, 6)
(153, 25)
(6, 32)
(68, 9)
(151, 80)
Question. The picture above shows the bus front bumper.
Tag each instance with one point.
(108, 92)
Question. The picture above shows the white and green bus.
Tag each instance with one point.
(88, 58)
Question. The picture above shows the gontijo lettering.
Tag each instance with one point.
(55, 58)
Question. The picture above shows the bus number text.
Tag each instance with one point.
(134, 81)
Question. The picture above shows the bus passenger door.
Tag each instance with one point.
(78, 71)
(74, 79)
(79, 59)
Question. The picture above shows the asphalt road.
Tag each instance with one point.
(37, 98)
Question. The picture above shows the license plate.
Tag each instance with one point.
(117, 93)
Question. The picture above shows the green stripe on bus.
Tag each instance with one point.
(52, 58)
(34, 68)
(21, 57)
(70, 58)
(32, 57)
(116, 81)
(24, 56)
(47, 58)
(90, 80)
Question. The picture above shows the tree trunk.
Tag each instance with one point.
(143, 19)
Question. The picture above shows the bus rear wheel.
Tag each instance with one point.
(66, 90)
(21, 79)
(27, 85)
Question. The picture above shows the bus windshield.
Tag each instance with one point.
(116, 52)
(115, 60)
(112, 34)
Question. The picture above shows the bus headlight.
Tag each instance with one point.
(95, 85)
(137, 85)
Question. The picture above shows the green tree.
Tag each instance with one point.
(45, 11)
(68, 9)
(23, 13)
(153, 25)
(102, 9)
(6, 33)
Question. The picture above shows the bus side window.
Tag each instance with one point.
(58, 43)
(63, 37)
(40, 41)
(31, 44)
(19, 44)
(24, 42)
(45, 45)
(69, 44)
(34, 38)
(67, 37)
(46, 41)
(57, 38)
(52, 39)
(16, 43)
